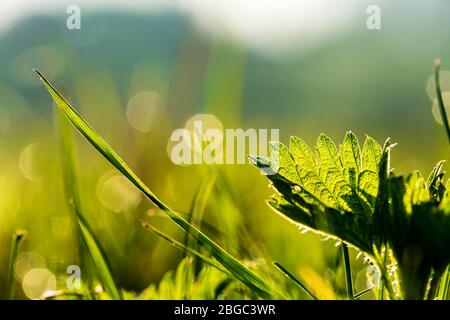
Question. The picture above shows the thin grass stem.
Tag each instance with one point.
(16, 241)
(446, 284)
(348, 272)
(183, 247)
(360, 294)
(440, 100)
(291, 276)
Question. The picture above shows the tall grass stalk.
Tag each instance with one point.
(444, 285)
(434, 285)
(16, 241)
(445, 280)
(183, 247)
(348, 272)
(234, 266)
(440, 100)
(291, 276)
(360, 294)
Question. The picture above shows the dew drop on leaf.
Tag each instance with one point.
(296, 189)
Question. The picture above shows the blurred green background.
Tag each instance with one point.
(136, 75)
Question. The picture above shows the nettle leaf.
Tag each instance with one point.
(354, 197)
(333, 192)
(371, 156)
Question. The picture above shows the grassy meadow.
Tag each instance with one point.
(92, 207)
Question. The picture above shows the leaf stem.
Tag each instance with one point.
(381, 290)
(384, 275)
(437, 66)
(348, 272)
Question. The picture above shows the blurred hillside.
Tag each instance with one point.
(370, 82)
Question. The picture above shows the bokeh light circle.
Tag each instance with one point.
(117, 194)
(38, 281)
(144, 111)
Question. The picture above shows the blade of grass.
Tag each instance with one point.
(445, 281)
(241, 272)
(183, 247)
(360, 294)
(445, 284)
(434, 285)
(437, 67)
(89, 240)
(16, 241)
(291, 276)
(348, 272)
(209, 228)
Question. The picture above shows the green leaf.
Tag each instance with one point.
(354, 197)
(351, 158)
(371, 155)
(328, 154)
(325, 194)
(305, 166)
(302, 153)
